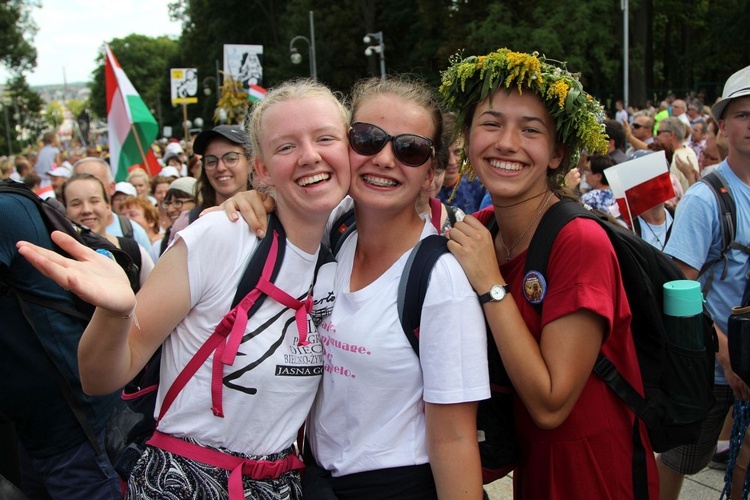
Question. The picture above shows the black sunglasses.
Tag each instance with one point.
(637, 126)
(410, 149)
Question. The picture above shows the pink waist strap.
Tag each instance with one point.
(255, 469)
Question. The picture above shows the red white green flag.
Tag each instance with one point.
(132, 128)
(256, 93)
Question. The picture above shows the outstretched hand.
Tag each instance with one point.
(253, 206)
(94, 277)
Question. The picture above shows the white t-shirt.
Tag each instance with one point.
(269, 361)
(369, 413)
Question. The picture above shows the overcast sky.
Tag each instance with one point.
(71, 33)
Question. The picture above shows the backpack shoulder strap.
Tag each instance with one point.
(436, 212)
(412, 286)
(131, 247)
(341, 229)
(248, 282)
(194, 213)
(254, 268)
(552, 222)
(727, 221)
(126, 225)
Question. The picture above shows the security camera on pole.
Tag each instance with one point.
(376, 38)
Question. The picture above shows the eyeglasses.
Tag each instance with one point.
(410, 149)
(230, 160)
(178, 203)
(662, 132)
(638, 125)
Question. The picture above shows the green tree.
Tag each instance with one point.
(16, 29)
(26, 106)
(146, 62)
(53, 114)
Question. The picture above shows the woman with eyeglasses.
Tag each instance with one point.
(387, 423)
(230, 431)
(226, 154)
(180, 198)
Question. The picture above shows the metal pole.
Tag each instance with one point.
(7, 129)
(625, 52)
(382, 56)
(313, 62)
(218, 89)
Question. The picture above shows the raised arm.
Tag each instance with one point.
(123, 334)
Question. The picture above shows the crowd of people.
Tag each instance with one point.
(505, 137)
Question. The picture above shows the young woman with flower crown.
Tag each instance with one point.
(524, 121)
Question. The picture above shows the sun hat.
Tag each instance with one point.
(738, 85)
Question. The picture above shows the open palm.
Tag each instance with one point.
(95, 278)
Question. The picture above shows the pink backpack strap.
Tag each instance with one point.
(256, 469)
(436, 212)
(226, 339)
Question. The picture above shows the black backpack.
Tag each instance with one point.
(499, 450)
(53, 216)
(678, 383)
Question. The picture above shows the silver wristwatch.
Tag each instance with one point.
(496, 294)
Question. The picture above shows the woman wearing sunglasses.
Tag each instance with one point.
(386, 423)
(244, 451)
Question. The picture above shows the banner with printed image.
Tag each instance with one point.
(244, 63)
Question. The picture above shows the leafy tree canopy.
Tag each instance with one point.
(17, 53)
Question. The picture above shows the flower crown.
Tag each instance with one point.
(576, 114)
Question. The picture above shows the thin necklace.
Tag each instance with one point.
(514, 245)
(661, 245)
(522, 201)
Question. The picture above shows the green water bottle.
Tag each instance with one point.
(683, 307)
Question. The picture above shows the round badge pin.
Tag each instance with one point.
(534, 287)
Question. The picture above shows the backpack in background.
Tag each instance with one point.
(499, 450)
(53, 216)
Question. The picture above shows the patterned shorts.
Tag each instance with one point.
(160, 474)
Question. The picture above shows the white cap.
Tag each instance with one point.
(174, 147)
(60, 171)
(126, 188)
(169, 172)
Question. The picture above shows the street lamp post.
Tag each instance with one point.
(296, 57)
(376, 38)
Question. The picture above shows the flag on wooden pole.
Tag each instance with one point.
(132, 128)
(640, 184)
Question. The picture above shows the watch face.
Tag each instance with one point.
(497, 292)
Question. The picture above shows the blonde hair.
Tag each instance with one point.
(408, 89)
(292, 89)
(139, 172)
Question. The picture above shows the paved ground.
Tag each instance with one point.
(706, 485)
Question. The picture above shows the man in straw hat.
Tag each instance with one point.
(696, 241)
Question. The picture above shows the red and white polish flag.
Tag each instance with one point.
(641, 184)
